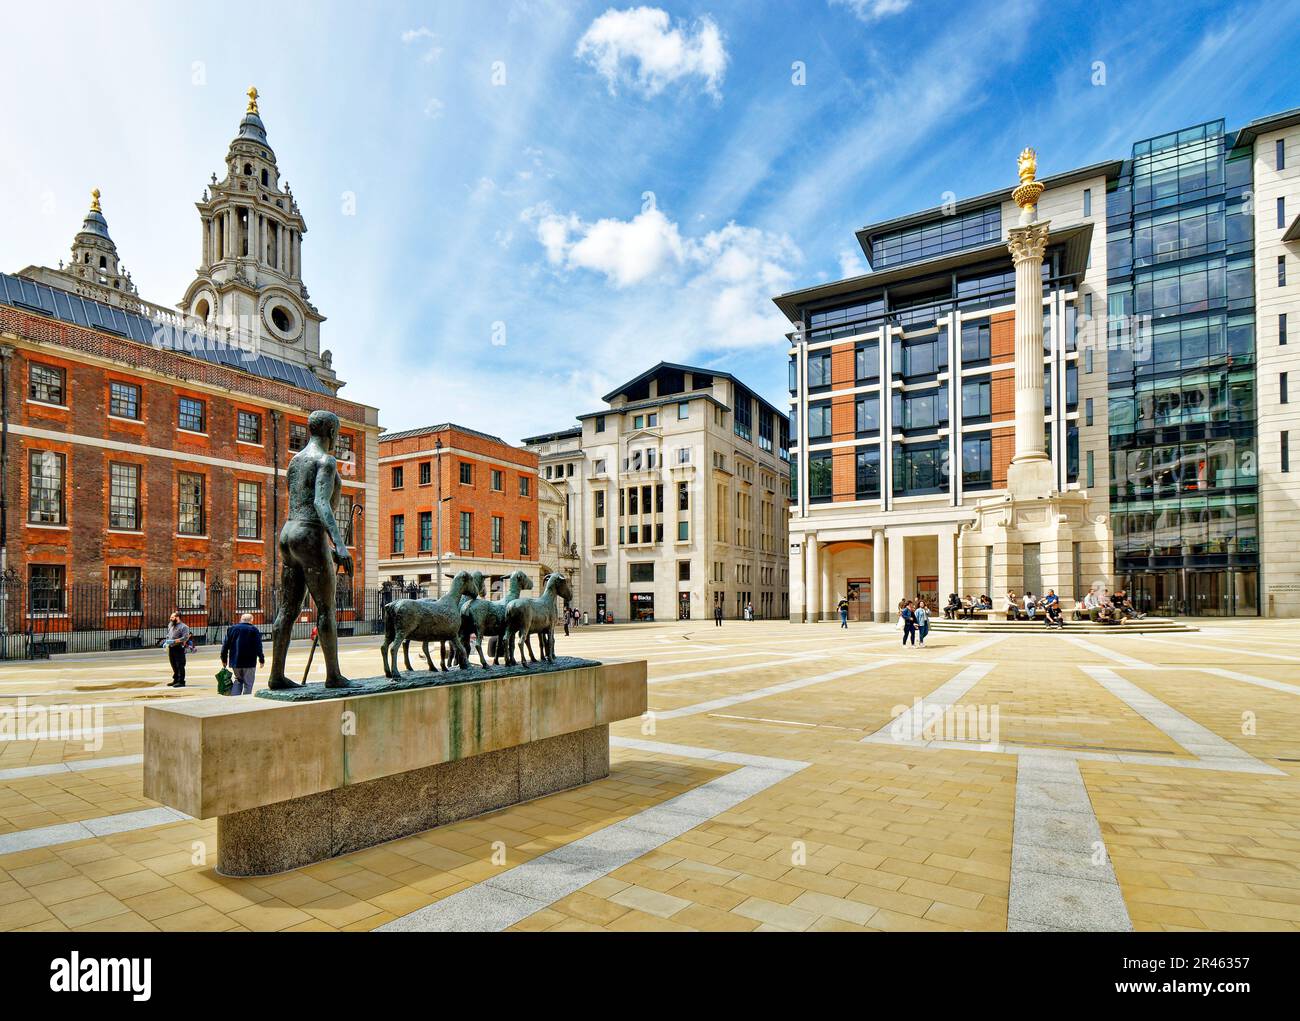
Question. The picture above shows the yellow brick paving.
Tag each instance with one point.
(868, 837)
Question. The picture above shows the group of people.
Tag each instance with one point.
(914, 620)
(241, 652)
(1117, 608)
(965, 608)
(1029, 606)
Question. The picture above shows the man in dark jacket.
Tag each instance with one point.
(242, 652)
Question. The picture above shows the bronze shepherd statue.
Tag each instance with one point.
(311, 544)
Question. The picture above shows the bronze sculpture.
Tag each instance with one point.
(487, 618)
(535, 616)
(433, 620)
(311, 544)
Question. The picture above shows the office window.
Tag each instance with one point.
(1281, 388)
(1281, 271)
(819, 421)
(866, 413)
(399, 477)
(550, 471)
(297, 436)
(123, 400)
(426, 531)
(683, 570)
(498, 480)
(1087, 201)
(496, 534)
(524, 485)
(124, 496)
(466, 473)
(1281, 212)
(819, 476)
(248, 590)
(866, 361)
(123, 589)
(1092, 477)
(45, 488)
(426, 473)
(642, 572)
(191, 587)
(399, 533)
(466, 529)
(976, 338)
(600, 574)
(1087, 411)
(598, 468)
(683, 531)
(1286, 451)
(600, 423)
(250, 510)
(867, 474)
(248, 429)
(343, 447)
(684, 410)
(977, 461)
(683, 496)
(190, 519)
(638, 421)
(1281, 328)
(976, 398)
(190, 414)
(46, 588)
(525, 538)
(1087, 359)
(652, 420)
(819, 369)
(45, 383)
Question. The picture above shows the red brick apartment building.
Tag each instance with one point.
(489, 507)
(143, 450)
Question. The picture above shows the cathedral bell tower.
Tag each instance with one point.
(250, 268)
(94, 255)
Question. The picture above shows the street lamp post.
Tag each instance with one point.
(437, 467)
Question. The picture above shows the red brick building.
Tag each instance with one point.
(489, 506)
(144, 451)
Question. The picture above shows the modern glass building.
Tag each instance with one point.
(1165, 363)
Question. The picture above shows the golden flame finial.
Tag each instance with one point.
(94, 201)
(1028, 165)
(252, 100)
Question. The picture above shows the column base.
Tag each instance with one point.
(1030, 478)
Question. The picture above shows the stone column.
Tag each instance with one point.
(947, 563)
(798, 600)
(828, 583)
(1030, 472)
(812, 586)
(879, 581)
(897, 575)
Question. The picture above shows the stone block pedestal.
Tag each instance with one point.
(291, 783)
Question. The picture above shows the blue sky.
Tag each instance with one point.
(514, 206)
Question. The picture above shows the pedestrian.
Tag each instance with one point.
(178, 635)
(922, 622)
(843, 607)
(749, 611)
(242, 652)
(717, 615)
(908, 617)
(568, 619)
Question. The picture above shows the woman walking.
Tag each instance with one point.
(908, 616)
(922, 622)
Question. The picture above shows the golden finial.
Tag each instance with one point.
(1028, 164)
(252, 100)
(1027, 194)
(94, 201)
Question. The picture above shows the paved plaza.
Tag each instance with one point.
(1106, 782)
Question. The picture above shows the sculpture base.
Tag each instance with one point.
(1030, 478)
(294, 782)
(290, 834)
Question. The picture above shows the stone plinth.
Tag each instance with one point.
(291, 783)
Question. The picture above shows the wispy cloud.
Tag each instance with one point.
(641, 49)
(873, 10)
(429, 48)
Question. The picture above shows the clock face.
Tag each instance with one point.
(283, 318)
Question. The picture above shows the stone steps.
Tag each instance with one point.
(1147, 625)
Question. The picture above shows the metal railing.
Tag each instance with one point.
(39, 620)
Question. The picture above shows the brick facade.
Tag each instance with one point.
(408, 451)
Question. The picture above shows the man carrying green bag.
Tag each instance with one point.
(242, 649)
(224, 677)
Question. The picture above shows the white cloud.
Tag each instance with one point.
(715, 290)
(433, 109)
(640, 48)
(852, 264)
(431, 51)
(873, 10)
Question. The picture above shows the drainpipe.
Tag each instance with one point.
(6, 353)
(275, 497)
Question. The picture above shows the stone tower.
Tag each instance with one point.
(250, 268)
(94, 255)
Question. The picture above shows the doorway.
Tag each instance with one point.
(859, 597)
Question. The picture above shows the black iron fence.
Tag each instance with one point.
(38, 620)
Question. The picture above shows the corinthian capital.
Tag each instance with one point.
(1027, 242)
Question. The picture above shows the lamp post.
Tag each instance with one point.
(437, 467)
